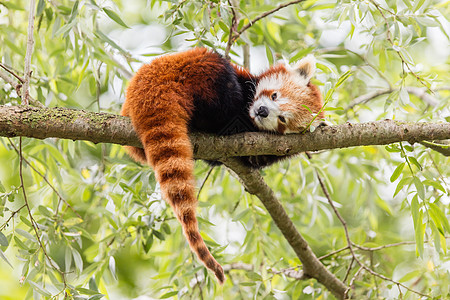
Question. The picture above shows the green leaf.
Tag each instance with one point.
(419, 227)
(343, 78)
(415, 162)
(3, 256)
(168, 295)
(440, 216)
(159, 235)
(112, 266)
(40, 8)
(26, 234)
(254, 276)
(148, 243)
(115, 17)
(96, 297)
(26, 221)
(45, 211)
(241, 215)
(165, 227)
(404, 181)
(403, 96)
(3, 240)
(269, 55)
(39, 289)
(77, 259)
(437, 185)
(420, 188)
(397, 172)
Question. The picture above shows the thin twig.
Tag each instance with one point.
(3, 226)
(333, 253)
(204, 181)
(418, 92)
(29, 52)
(352, 281)
(263, 15)
(12, 73)
(32, 220)
(350, 243)
(390, 40)
(48, 182)
(233, 28)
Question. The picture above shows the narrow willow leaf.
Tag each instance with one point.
(39, 289)
(241, 215)
(68, 259)
(419, 228)
(26, 234)
(3, 256)
(404, 181)
(403, 96)
(45, 211)
(343, 78)
(420, 188)
(112, 266)
(115, 17)
(269, 55)
(437, 185)
(440, 216)
(3, 240)
(168, 295)
(159, 235)
(397, 172)
(77, 259)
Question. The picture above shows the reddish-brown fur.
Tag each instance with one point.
(175, 92)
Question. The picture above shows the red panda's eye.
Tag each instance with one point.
(274, 96)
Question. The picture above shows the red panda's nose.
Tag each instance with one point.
(262, 111)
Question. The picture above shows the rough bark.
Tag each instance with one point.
(312, 267)
(73, 124)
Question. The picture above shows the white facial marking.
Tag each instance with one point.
(271, 121)
(273, 82)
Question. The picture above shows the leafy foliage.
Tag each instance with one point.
(83, 221)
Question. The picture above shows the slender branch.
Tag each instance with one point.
(333, 253)
(11, 216)
(416, 91)
(391, 41)
(312, 267)
(263, 15)
(12, 73)
(443, 147)
(33, 222)
(29, 52)
(46, 180)
(350, 243)
(204, 181)
(350, 286)
(233, 27)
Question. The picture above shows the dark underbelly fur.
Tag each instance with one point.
(238, 124)
(228, 114)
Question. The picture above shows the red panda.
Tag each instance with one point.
(199, 90)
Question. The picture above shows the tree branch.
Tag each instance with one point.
(29, 52)
(73, 124)
(312, 267)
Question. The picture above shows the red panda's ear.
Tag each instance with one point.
(304, 69)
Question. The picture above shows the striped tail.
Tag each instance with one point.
(168, 150)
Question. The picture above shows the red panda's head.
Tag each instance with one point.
(285, 99)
